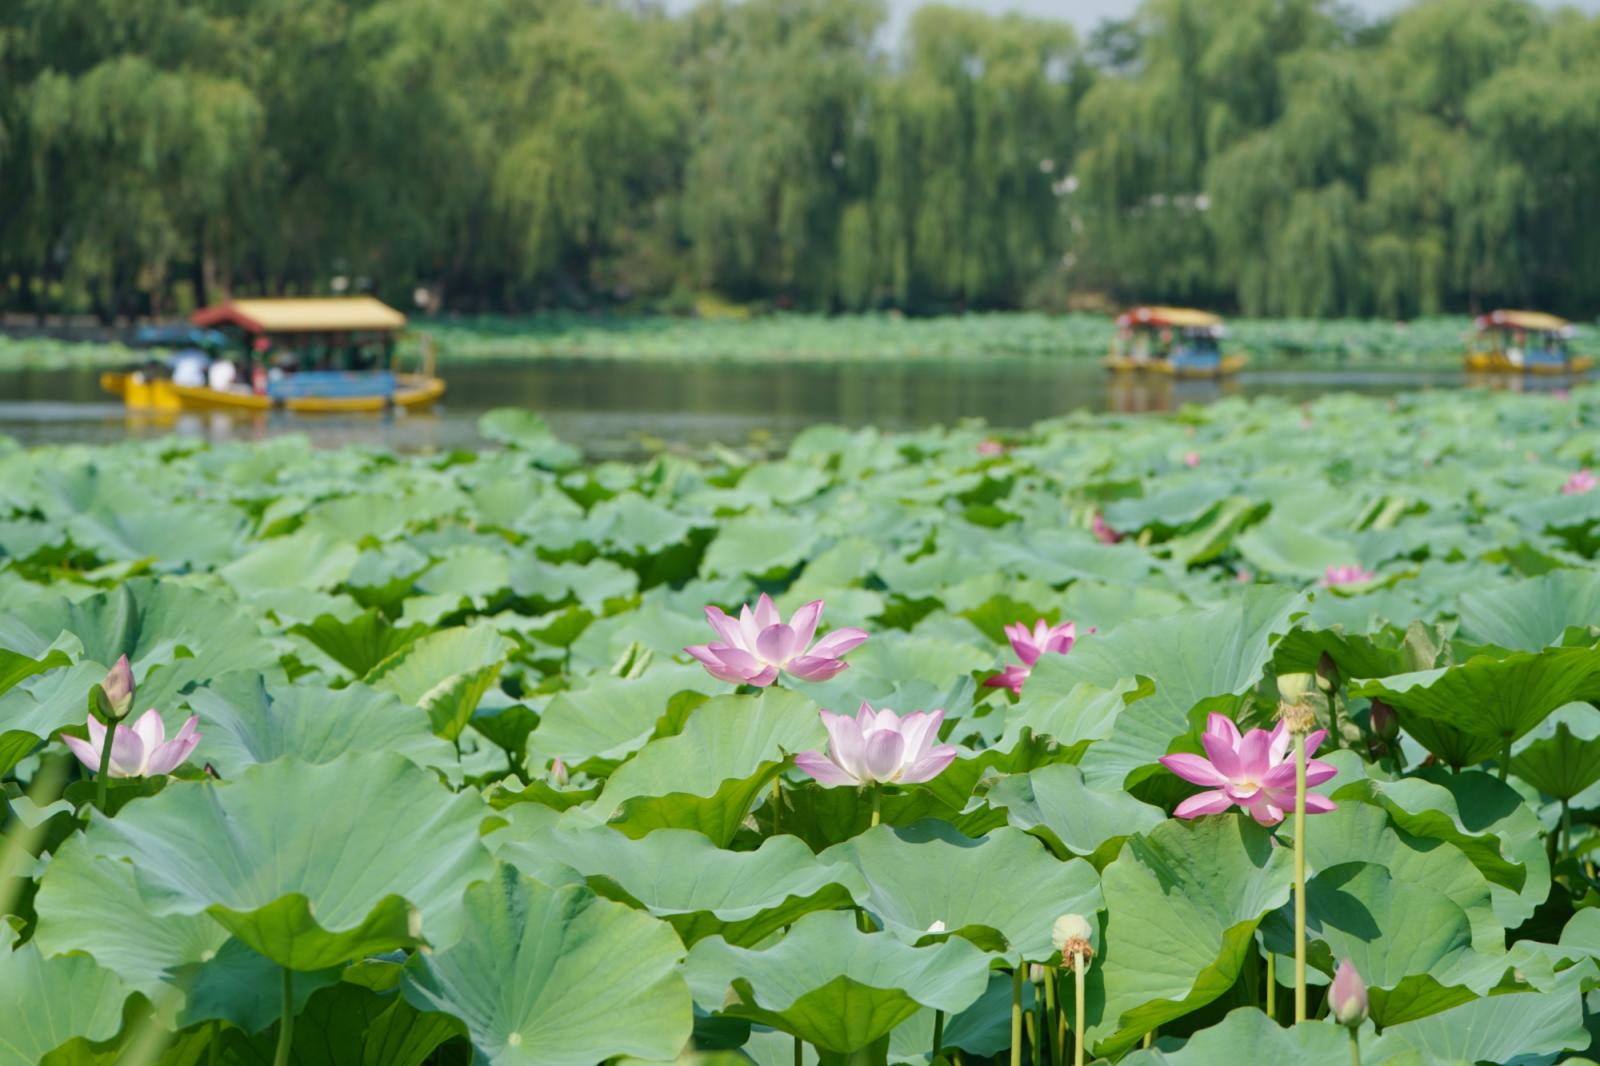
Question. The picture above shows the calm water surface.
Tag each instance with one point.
(615, 409)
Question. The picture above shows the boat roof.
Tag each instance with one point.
(316, 314)
(1168, 316)
(1537, 321)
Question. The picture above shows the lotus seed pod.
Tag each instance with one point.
(1293, 688)
(1347, 998)
(1070, 927)
(1299, 717)
(1385, 723)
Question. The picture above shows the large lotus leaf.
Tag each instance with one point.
(1190, 656)
(1247, 1035)
(45, 1003)
(612, 717)
(358, 642)
(759, 545)
(556, 977)
(445, 673)
(1357, 833)
(707, 777)
(17, 665)
(886, 671)
(41, 705)
(309, 865)
(1054, 802)
(679, 875)
(471, 571)
(831, 984)
(245, 719)
(530, 435)
(174, 534)
(1517, 1028)
(341, 1025)
(303, 560)
(1532, 614)
(930, 873)
(1488, 697)
(1283, 546)
(1183, 903)
(91, 905)
(1563, 764)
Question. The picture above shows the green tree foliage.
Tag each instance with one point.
(1278, 157)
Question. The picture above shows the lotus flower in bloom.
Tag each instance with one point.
(1335, 576)
(1582, 481)
(1347, 997)
(141, 750)
(989, 448)
(1029, 645)
(1254, 771)
(1102, 532)
(757, 645)
(1191, 459)
(878, 747)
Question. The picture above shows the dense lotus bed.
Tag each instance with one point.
(431, 774)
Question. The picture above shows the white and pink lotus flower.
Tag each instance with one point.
(756, 647)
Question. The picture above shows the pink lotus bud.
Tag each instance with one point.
(1327, 673)
(1347, 998)
(989, 448)
(1581, 482)
(558, 773)
(1191, 459)
(1385, 723)
(118, 690)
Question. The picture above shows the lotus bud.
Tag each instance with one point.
(1036, 973)
(1293, 688)
(1071, 935)
(558, 773)
(1385, 723)
(117, 690)
(1347, 998)
(1327, 673)
(1298, 717)
(936, 927)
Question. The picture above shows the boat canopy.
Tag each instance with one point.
(330, 314)
(1533, 321)
(1182, 317)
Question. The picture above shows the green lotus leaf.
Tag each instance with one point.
(309, 865)
(1493, 698)
(929, 873)
(1531, 614)
(445, 673)
(982, 1029)
(759, 545)
(1054, 803)
(612, 717)
(15, 666)
(1563, 764)
(1213, 652)
(42, 704)
(1282, 546)
(471, 571)
(530, 435)
(1248, 1035)
(245, 719)
(556, 977)
(1515, 1027)
(358, 642)
(707, 777)
(186, 535)
(342, 1025)
(303, 560)
(681, 876)
(831, 984)
(1182, 904)
(49, 1002)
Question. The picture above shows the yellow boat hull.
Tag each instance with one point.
(415, 392)
(1497, 363)
(1230, 364)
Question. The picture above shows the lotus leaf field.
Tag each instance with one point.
(451, 763)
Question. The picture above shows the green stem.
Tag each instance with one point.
(777, 801)
(1052, 1007)
(101, 782)
(1016, 1014)
(799, 1052)
(938, 1035)
(1566, 829)
(214, 1049)
(1299, 878)
(286, 1025)
(1032, 1028)
(1505, 758)
(877, 802)
(1077, 1008)
(1039, 1033)
(1272, 985)
(1355, 1048)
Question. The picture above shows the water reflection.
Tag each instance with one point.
(614, 408)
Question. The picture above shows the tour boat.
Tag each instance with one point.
(1524, 342)
(1179, 341)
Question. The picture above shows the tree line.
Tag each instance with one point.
(1276, 157)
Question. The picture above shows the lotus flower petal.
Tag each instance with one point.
(1252, 770)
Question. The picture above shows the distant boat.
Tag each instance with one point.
(314, 355)
(1179, 341)
(1524, 342)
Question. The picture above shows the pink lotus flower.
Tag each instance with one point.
(1102, 532)
(1191, 459)
(1335, 576)
(1347, 996)
(1029, 646)
(878, 747)
(1582, 481)
(1243, 576)
(757, 645)
(989, 448)
(142, 750)
(1255, 771)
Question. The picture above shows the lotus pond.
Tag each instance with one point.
(457, 758)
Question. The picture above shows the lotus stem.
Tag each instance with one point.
(101, 779)
(799, 1052)
(938, 1035)
(1149, 1038)
(1038, 1029)
(1016, 1014)
(877, 803)
(1031, 1027)
(777, 800)
(1566, 829)
(1272, 984)
(214, 1050)
(1299, 877)
(1078, 969)
(286, 1026)
(1058, 1020)
(1505, 757)
(1355, 1048)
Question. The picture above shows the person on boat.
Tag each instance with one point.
(222, 375)
(189, 369)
